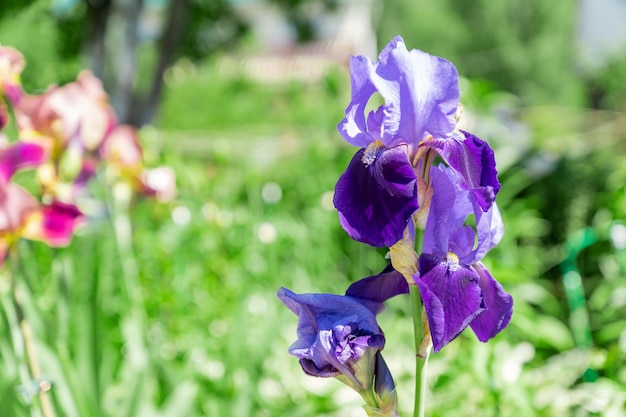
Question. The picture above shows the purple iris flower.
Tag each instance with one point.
(456, 288)
(337, 335)
(377, 194)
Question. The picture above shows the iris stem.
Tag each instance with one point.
(420, 361)
(25, 348)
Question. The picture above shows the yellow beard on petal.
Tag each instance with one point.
(371, 153)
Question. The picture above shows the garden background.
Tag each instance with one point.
(180, 317)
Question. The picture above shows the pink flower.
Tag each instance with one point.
(11, 66)
(54, 223)
(76, 112)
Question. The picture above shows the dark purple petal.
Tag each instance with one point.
(499, 306)
(381, 287)
(451, 295)
(385, 387)
(18, 156)
(474, 160)
(421, 93)
(376, 195)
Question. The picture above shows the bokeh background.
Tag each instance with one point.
(241, 98)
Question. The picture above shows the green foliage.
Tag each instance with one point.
(207, 97)
(525, 47)
(30, 28)
(195, 328)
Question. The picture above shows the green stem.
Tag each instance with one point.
(25, 348)
(421, 360)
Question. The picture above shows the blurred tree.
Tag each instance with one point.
(129, 44)
(526, 47)
(300, 14)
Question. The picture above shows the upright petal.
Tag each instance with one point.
(498, 303)
(376, 195)
(452, 205)
(489, 230)
(421, 93)
(451, 295)
(474, 160)
(353, 127)
(443, 204)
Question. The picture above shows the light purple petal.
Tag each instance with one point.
(451, 205)
(474, 160)
(376, 195)
(353, 128)
(442, 205)
(451, 295)
(421, 93)
(20, 155)
(381, 287)
(498, 303)
(490, 229)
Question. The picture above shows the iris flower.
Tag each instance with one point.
(377, 194)
(338, 335)
(456, 288)
(21, 215)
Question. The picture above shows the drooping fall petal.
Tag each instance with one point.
(376, 195)
(54, 223)
(451, 295)
(498, 303)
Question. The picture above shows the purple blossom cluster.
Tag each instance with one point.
(415, 174)
(65, 134)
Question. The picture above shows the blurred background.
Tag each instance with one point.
(241, 98)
